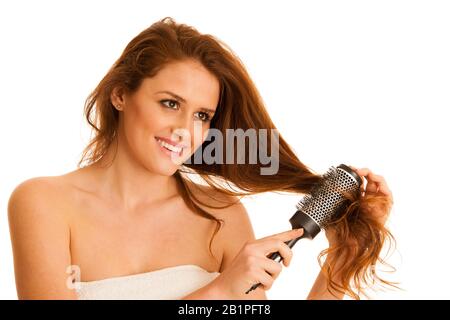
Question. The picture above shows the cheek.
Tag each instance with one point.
(145, 120)
(205, 133)
(140, 126)
(198, 137)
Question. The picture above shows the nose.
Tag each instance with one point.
(182, 128)
(184, 121)
(189, 132)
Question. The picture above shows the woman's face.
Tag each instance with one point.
(181, 97)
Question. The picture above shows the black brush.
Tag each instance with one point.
(315, 210)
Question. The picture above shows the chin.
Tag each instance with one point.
(159, 166)
(166, 170)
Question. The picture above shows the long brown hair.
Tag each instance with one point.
(360, 237)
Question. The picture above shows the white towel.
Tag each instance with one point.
(168, 284)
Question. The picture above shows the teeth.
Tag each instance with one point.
(169, 146)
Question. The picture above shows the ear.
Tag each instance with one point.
(118, 98)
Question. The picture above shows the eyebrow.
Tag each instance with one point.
(184, 100)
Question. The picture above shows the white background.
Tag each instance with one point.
(359, 82)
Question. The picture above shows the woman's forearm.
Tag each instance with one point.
(214, 292)
(319, 290)
(208, 292)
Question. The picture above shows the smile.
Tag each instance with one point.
(169, 146)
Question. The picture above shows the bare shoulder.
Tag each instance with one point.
(30, 190)
(35, 193)
(40, 237)
(37, 184)
(38, 203)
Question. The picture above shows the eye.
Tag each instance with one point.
(204, 116)
(169, 103)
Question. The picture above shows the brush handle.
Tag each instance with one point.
(275, 256)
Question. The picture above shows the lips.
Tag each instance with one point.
(170, 142)
(169, 148)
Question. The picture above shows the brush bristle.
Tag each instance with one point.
(327, 196)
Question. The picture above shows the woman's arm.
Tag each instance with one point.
(319, 289)
(40, 238)
(208, 292)
(375, 185)
(236, 231)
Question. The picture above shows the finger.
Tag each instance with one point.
(265, 279)
(282, 248)
(371, 187)
(286, 236)
(363, 171)
(378, 184)
(382, 184)
(380, 189)
(272, 267)
(286, 254)
(384, 189)
(375, 177)
(372, 180)
(374, 183)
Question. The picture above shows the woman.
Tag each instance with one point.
(129, 223)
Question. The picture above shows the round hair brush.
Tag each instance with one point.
(327, 198)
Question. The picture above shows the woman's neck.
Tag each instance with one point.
(127, 184)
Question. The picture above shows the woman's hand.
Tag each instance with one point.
(251, 265)
(373, 184)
